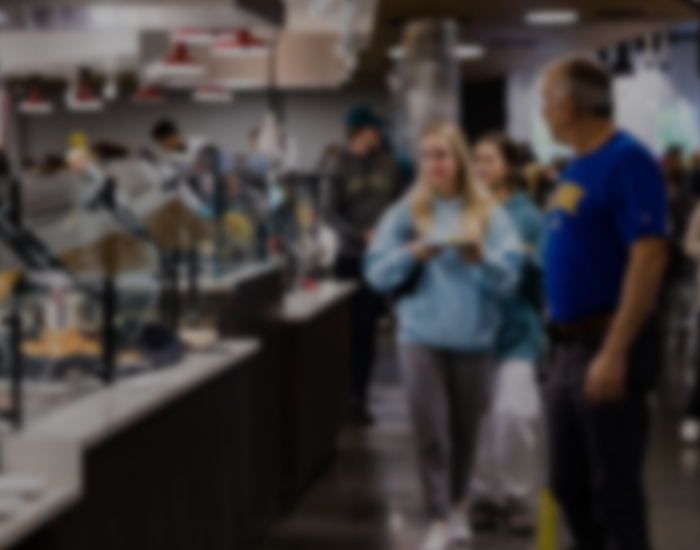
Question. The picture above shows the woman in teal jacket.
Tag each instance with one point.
(505, 483)
(463, 257)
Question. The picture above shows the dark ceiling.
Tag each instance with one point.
(511, 44)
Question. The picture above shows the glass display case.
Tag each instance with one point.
(85, 291)
(106, 269)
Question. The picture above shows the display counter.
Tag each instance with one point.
(206, 454)
(159, 439)
(316, 346)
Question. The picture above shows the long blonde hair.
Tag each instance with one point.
(478, 204)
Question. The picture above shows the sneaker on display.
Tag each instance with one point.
(459, 527)
(690, 431)
(438, 537)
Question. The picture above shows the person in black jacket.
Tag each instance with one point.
(363, 182)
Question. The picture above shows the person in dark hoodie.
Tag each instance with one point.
(364, 181)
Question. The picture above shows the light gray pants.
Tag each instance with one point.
(508, 469)
(448, 396)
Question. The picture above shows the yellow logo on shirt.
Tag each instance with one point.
(568, 197)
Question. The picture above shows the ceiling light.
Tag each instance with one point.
(397, 53)
(552, 17)
(465, 52)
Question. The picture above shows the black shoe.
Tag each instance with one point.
(486, 517)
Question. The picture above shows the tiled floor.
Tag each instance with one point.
(370, 499)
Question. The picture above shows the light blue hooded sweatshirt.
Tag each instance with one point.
(456, 306)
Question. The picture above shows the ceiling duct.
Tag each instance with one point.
(148, 15)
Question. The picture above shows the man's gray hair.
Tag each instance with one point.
(589, 83)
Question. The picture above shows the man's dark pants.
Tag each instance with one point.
(368, 308)
(597, 454)
(694, 407)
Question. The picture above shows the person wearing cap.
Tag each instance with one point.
(363, 182)
(604, 262)
(179, 156)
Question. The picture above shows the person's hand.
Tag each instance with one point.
(472, 253)
(368, 235)
(606, 379)
(422, 251)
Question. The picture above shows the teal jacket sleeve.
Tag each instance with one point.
(535, 232)
(503, 256)
(389, 261)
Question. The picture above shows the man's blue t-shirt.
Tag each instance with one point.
(605, 202)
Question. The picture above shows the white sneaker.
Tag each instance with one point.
(459, 527)
(438, 537)
(690, 431)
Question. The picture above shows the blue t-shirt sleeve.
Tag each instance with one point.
(640, 202)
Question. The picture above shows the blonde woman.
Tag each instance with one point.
(463, 256)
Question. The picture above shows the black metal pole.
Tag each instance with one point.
(109, 333)
(16, 358)
(15, 320)
(193, 284)
(170, 288)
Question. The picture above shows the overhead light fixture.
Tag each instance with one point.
(240, 43)
(552, 17)
(212, 94)
(34, 102)
(463, 52)
(397, 53)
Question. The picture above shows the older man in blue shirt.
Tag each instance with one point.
(604, 262)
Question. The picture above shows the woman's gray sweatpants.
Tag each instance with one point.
(448, 395)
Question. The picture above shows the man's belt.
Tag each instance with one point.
(581, 330)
